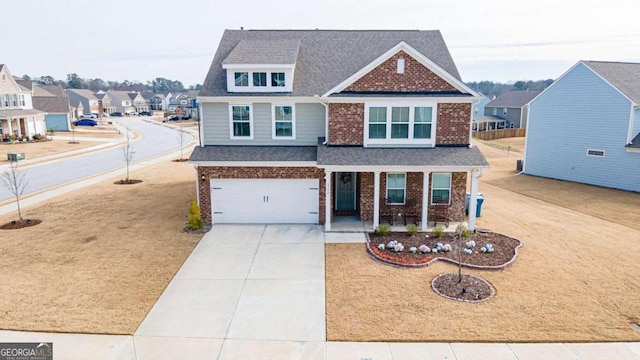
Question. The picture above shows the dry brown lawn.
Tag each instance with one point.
(103, 134)
(574, 280)
(101, 257)
(39, 149)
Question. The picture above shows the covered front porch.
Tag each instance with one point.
(400, 186)
(21, 123)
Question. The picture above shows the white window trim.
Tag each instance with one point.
(386, 193)
(231, 136)
(434, 188)
(431, 142)
(273, 122)
(591, 155)
(288, 80)
(495, 111)
(505, 111)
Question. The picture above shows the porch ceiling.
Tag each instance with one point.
(419, 157)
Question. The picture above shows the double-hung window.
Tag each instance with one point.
(277, 79)
(377, 123)
(241, 78)
(283, 122)
(422, 120)
(441, 188)
(400, 122)
(241, 122)
(396, 188)
(260, 79)
(406, 124)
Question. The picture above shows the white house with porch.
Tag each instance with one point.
(18, 119)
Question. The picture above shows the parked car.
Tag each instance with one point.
(131, 113)
(104, 114)
(116, 113)
(90, 116)
(85, 122)
(146, 113)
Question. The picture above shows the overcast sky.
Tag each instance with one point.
(499, 40)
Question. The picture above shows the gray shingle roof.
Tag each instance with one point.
(51, 104)
(328, 57)
(1, 67)
(25, 85)
(264, 52)
(438, 156)
(19, 112)
(514, 98)
(624, 76)
(55, 90)
(253, 153)
(85, 93)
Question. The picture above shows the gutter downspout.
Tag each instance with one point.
(326, 119)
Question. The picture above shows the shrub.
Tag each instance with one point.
(194, 220)
(438, 232)
(412, 229)
(382, 230)
(463, 232)
(52, 130)
(38, 137)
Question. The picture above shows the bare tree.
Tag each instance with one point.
(127, 154)
(182, 138)
(460, 237)
(16, 182)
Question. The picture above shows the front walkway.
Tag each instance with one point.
(258, 292)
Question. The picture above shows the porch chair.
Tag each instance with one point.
(386, 213)
(411, 211)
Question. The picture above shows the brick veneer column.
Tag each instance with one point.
(255, 173)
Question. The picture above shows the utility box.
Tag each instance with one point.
(519, 165)
(14, 157)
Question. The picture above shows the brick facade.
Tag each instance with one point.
(346, 124)
(453, 124)
(455, 211)
(416, 77)
(254, 173)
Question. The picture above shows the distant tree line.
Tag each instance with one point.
(491, 89)
(73, 81)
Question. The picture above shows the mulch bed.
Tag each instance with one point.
(506, 250)
(472, 288)
(127, 182)
(203, 230)
(16, 224)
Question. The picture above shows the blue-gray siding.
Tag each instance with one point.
(636, 124)
(309, 122)
(58, 122)
(513, 115)
(581, 112)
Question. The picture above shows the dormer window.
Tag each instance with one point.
(277, 79)
(241, 78)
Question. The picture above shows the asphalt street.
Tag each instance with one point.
(155, 141)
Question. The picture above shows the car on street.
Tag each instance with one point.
(131, 113)
(90, 116)
(85, 122)
(116, 113)
(146, 113)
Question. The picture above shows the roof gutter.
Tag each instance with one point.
(326, 118)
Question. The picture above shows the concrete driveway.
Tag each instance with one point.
(245, 290)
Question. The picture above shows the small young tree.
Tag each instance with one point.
(461, 236)
(182, 138)
(127, 154)
(16, 182)
(73, 134)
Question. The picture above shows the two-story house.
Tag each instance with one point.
(53, 100)
(156, 102)
(511, 107)
(18, 118)
(127, 101)
(90, 103)
(104, 103)
(305, 126)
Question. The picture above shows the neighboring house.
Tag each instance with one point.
(295, 129)
(90, 103)
(478, 107)
(510, 106)
(585, 127)
(122, 100)
(138, 101)
(53, 100)
(104, 103)
(166, 102)
(147, 95)
(191, 108)
(157, 102)
(77, 109)
(17, 115)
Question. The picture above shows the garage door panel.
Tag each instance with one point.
(265, 200)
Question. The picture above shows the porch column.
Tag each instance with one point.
(376, 199)
(9, 130)
(424, 220)
(327, 200)
(473, 200)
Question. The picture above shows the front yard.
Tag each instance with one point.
(100, 258)
(39, 149)
(574, 278)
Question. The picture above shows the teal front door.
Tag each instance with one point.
(345, 185)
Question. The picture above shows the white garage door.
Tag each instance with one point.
(264, 201)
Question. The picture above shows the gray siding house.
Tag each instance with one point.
(511, 106)
(585, 127)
